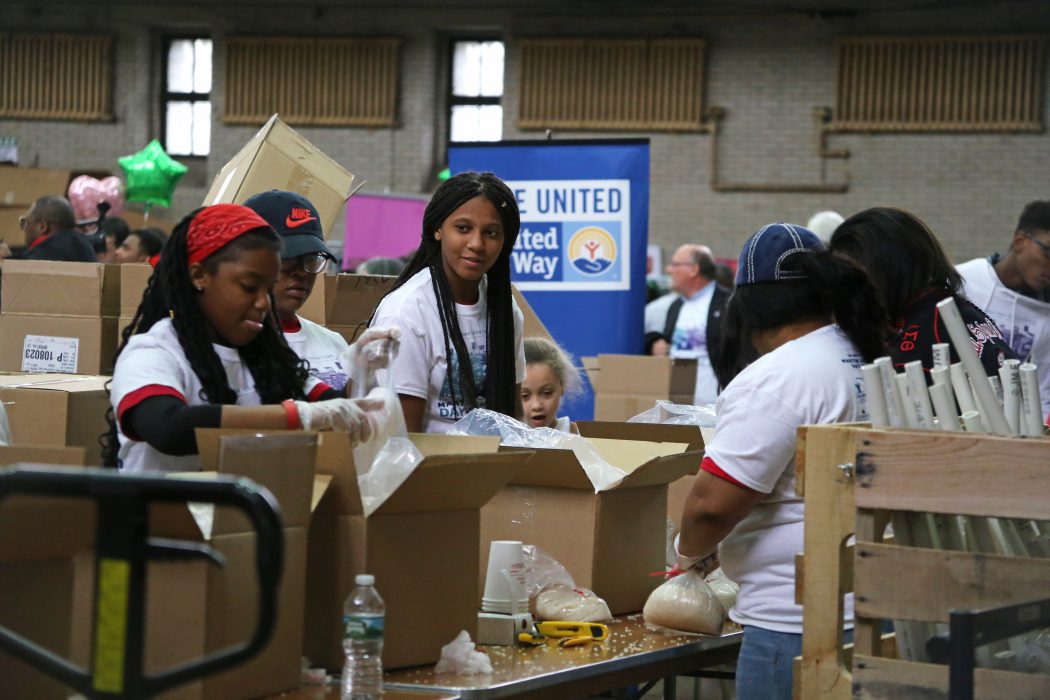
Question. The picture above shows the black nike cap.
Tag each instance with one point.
(294, 219)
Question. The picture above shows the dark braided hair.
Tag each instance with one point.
(500, 377)
(834, 289)
(277, 370)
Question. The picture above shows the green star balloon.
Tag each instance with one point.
(151, 175)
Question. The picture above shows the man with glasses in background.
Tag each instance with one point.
(693, 323)
(50, 233)
(1014, 289)
(303, 256)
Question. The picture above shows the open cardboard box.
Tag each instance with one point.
(56, 410)
(344, 303)
(626, 385)
(46, 575)
(610, 541)
(421, 545)
(279, 158)
(194, 608)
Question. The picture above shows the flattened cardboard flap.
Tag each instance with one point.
(434, 444)
(69, 383)
(282, 463)
(454, 482)
(691, 435)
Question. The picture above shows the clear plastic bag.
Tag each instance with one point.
(461, 658)
(553, 594)
(724, 588)
(685, 603)
(514, 433)
(388, 457)
(667, 413)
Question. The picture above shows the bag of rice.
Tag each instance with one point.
(685, 603)
(559, 602)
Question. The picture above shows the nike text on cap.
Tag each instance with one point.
(294, 219)
(765, 253)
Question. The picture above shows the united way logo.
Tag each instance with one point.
(592, 250)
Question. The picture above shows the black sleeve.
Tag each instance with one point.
(167, 424)
(332, 394)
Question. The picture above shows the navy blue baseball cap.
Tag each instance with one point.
(294, 219)
(763, 256)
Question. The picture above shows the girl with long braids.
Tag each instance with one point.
(461, 333)
(204, 349)
(815, 319)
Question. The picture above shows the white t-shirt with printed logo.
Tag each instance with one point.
(155, 360)
(689, 340)
(322, 348)
(814, 379)
(420, 369)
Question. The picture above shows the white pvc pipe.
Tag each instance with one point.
(1032, 414)
(945, 405)
(990, 410)
(911, 414)
(961, 387)
(919, 395)
(997, 389)
(942, 356)
(894, 402)
(1011, 382)
(875, 396)
(973, 423)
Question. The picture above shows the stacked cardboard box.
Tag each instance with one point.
(19, 188)
(46, 580)
(609, 541)
(421, 544)
(56, 410)
(133, 281)
(345, 303)
(626, 385)
(58, 316)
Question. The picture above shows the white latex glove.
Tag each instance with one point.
(349, 415)
(704, 565)
(375, 345)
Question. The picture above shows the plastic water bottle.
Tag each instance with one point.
(363, 616)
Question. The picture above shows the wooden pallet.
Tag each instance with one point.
(915, 472)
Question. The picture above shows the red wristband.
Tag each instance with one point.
(292, 411)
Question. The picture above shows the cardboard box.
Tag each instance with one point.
(71, 344)
(25, 185)
(46, 575)
(533, 327)
(134, 278)
(626, 385)
(10, 232)
(279, 158)
(194, 608)
(694, 436)
(56, 410)
(421, 545)
(45, 287)
(345, 303)
(610, 541)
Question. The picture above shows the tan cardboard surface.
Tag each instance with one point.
(56, 410)
(279, 158)
(10, 232)
(26, 185)
(533, 327)
(618, 408)
(691, 435)
(96, 338)
(354, 297)
(133, 280)
(60, 288)
(644, 374)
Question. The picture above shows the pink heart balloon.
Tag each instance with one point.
(86, 193)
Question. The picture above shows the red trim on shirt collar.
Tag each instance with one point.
(134, 398)
(315, 393)
(293, 326)
(38, 241)
(709, 466)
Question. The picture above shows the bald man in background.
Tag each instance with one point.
(692, 325)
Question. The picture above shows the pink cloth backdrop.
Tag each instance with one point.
(377, 225)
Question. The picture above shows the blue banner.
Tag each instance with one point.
(580, 255)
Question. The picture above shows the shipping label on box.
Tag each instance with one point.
(54, 346)
(42, 353)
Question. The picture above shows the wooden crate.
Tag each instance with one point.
(911, 472)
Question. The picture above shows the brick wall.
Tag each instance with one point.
(768, 71)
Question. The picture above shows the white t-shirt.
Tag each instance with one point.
(420, 368)
(153, 364)
(321, 348)
(690, 341)
(812, 379)
(1024, 321)
(656, 312)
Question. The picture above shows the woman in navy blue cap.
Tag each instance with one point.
(814, 319)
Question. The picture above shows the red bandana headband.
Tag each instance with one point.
(217, 225)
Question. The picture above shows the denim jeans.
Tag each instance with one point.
(764, 668)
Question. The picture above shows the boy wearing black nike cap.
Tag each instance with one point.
(303, 256)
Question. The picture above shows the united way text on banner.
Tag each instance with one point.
(581, 251)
